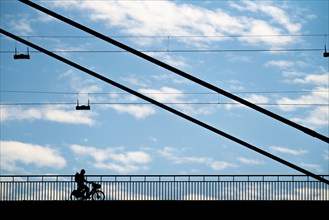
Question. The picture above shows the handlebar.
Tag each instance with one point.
(94, 184)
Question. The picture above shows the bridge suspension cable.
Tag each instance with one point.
(177, 71)
(172, 110)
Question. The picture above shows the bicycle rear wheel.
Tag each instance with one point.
(98, 195)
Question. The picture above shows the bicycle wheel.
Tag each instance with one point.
(98, 195)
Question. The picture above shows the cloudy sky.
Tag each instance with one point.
(269, 53)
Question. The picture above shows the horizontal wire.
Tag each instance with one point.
(166, 103)
(181, 51)
(167, 0)
(168, 37)
(154, 93)
(177, 36)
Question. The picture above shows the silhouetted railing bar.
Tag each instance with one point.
(134, 191)
(165, 190)
(282, 191)
(299, 186)
(125, 186)
(240, 187)
(205, 189)
(142, 190)
(137, 191)
(171, 190)
(149, 190)
(227, 190)
(156, 191)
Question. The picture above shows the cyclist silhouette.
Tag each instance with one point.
(81, 180)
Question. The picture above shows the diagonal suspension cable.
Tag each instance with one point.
(177, 71)
(172, 110)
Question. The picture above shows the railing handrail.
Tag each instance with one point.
(142, 175)
(175, 176)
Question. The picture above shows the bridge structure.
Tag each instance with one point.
(163, 106)
(23, 190)
(169, 187)
(169, 196)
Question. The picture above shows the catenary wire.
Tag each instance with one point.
(180, 50)
(150, 93)
(166, 103)
(180, 36)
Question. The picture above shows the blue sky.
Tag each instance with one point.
(267, 52)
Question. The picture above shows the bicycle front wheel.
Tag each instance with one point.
(98, 195)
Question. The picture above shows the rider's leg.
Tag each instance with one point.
(86, 188)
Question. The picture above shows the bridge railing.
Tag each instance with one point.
(168, 187)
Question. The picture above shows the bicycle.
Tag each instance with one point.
(95, 193)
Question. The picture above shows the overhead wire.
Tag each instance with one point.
(181, 50)
(162, 0)
(88, 71)
(165, 103)
(170, 37)
(150, 93)
(179, 36)
(175, 70)
(164, 93)
(165, 107)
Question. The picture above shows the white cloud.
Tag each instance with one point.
(250, 161)
(283, 64)
(285, 150)
(134, 81)
(165, 94)
(278, 15)
(317, 96)
(292, 73)
(281, 21)
(68, 117)
(220, 165)
(153, 139)
(55, 114)
(315, 79)
(21, 26)
(13, 152)
(17, 113)
(137, 157)
(253, 98)
(175, 97)
(317, 118)
(138, 111)
(316, 100)
(280, 63)
(167, 18)
(171, 154)
(317, 168)
(257, 99)
(176, 61)
(120, 168)
(80, 84)
(326, 155)
(115, 158)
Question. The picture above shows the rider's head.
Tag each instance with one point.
(82, 171)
